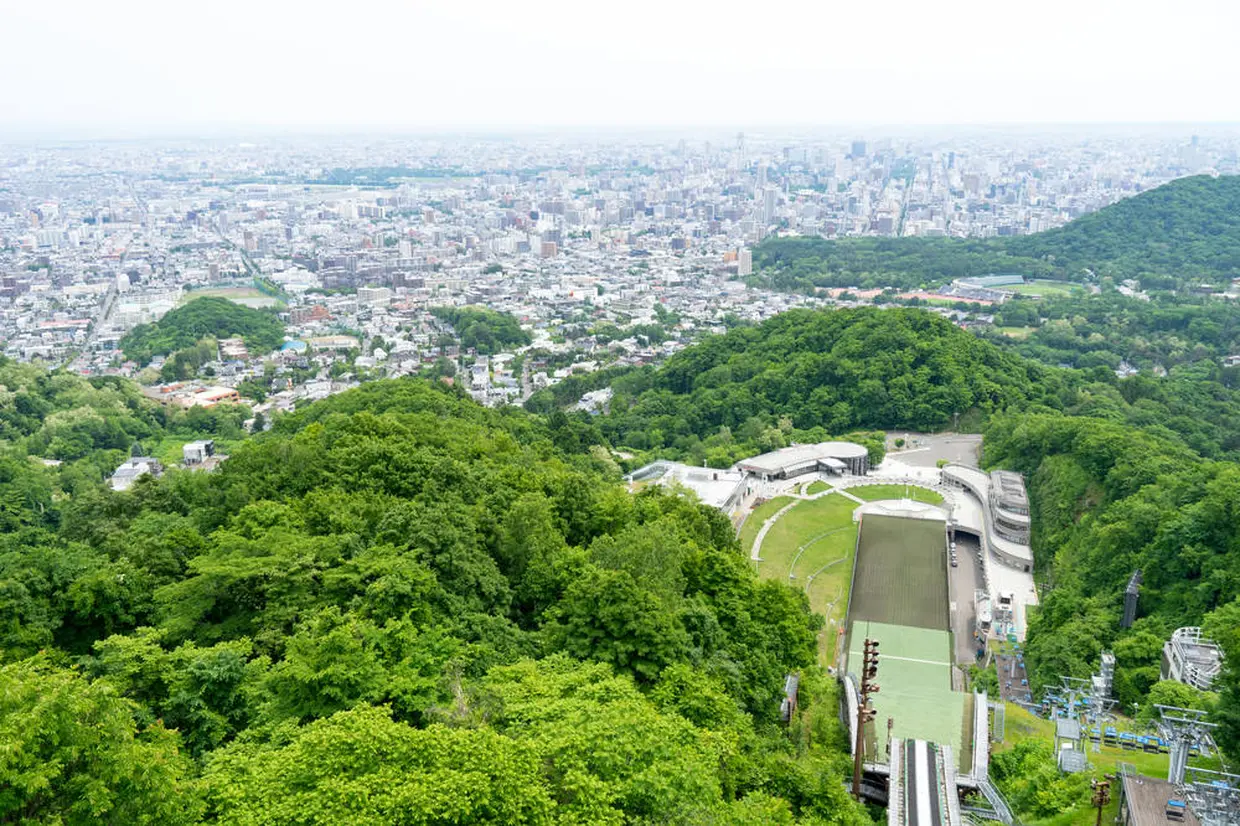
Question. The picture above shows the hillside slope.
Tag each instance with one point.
(1188, 229)
(399, 607)
(203, 317)
(808, 374)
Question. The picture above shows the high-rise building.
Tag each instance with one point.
(768, 205)
(858, 149)
(744, 262)
(373, 296)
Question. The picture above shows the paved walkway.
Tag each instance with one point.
(766, 526)
(843, 492)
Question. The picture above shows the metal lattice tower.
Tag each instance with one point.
(1093, 695)
(1185, 729)
(1213, 796)
(1100, 687)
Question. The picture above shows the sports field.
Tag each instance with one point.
(1044, 287)
(914, 673)
(247, 296)
(872, 493)
(901, 573)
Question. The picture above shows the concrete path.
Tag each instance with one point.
(847, 495)
(766, 526)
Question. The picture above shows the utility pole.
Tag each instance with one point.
(1102, 796)
(869, 670)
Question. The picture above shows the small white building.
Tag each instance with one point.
(195, 453)
(125, 475)
(715, 487)
(1191, 659)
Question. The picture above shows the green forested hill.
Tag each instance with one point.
(399, 607)
(1186, 230)
(203, 317)
(1108, 499)
(483, 330)
(805, 374)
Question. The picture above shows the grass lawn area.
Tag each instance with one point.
(168, 449)
(816, 487)
(818, 525)
(813, 541)
(1018, 333)
(871, 493)
(753, 522)
(1043, 287)
(1019, 725)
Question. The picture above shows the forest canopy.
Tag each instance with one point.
(200, 318)
(806, 375)
(1185, 231)
(486, 331)
(398, 606)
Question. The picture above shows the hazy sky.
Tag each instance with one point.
(135, 66)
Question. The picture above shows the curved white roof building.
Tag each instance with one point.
(833, 457)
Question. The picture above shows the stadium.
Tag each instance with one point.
(900, 598)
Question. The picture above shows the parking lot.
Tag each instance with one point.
(926, 449)
(963, 581)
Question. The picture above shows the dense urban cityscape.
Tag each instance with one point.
(609, 253)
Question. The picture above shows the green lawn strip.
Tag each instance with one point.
(1043, 287)
(807, 521)
(817, 487)
(1019, 725)
(168, 449)
(828, 592)
(753, 523)
(825, 528)
(872, 493)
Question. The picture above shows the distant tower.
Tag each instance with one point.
(1102, 683)
(1130, 599)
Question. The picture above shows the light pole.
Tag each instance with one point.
(869, 670)
(1102, 796)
